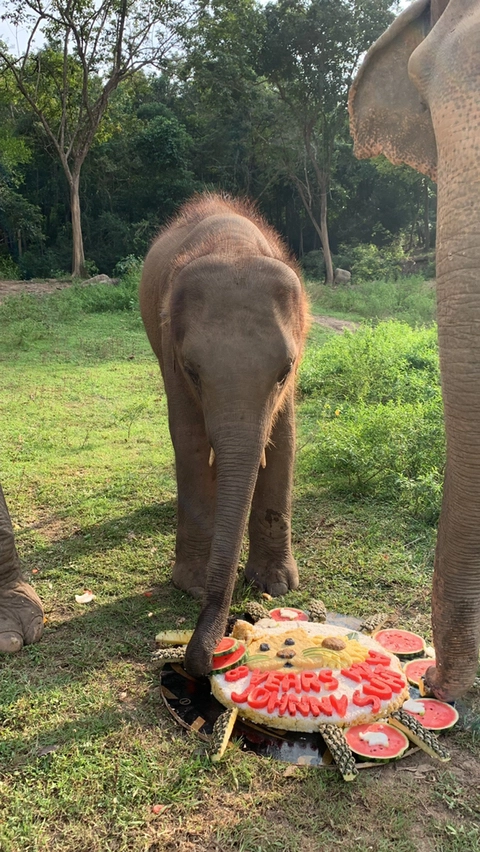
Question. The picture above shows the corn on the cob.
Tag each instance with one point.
(340, 750)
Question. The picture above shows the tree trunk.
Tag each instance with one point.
(321, 228)
(78, 256)
(324, 236)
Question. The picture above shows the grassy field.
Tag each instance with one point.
(90, 760)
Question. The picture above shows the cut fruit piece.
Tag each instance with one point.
(227, 645)
(415, 669)
(438, 715)
(288, 614)
(358, 738)
(173, 637)
(221, 733)
(426, 740)
(400, 642)
(229, 661)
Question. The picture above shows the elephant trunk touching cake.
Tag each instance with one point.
(417, 100)
(225, 313)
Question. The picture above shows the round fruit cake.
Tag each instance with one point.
(298, 675)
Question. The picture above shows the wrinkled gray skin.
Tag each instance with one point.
(225, 314)
(21, 613)
(417, 100)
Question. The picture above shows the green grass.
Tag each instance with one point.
(409, 299)
(86, 745)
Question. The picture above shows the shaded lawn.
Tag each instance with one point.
(86, 746)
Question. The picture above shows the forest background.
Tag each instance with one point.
(113, 114)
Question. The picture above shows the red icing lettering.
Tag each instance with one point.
(274, 680)
(236, 674)
(325, 675)
(378, 687)
(325, 706)
(314, 705)
(282, 707)
(240, 698)
(351, 674)
(303, 704)
(309, 680)
(291, 681)
(358, 672)
(395, 680)
(364, 700)
(258, 697)
(376, 658)
(258, 677)
(273, 701)
(340, 705)
(292, 704)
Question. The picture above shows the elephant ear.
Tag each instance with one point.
(387, 115)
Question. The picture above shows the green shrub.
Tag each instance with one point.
(368, 262)
(391, 361)
(9, 270)
(373, 411)
(409, 299)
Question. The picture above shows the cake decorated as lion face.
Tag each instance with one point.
(299, 675)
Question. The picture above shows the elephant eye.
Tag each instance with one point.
(192, 374)
(285, 373)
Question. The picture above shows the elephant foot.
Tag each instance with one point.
(189, 579)
(21, 617)
(271, 576)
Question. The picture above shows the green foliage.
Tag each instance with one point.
(409, 299)
(375, 415)
(27, 318)
(368, 262)
(8, 268)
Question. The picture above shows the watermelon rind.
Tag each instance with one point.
(227, 645)
(379, 754)
(409, 669)
(391, 639)
(229, 661)
(448, 713)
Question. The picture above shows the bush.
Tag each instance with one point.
(368, 262)
(374, 410)
(313, 265)
(391, 361)
(9, 270)
(409, 299)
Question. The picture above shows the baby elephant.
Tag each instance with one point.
(226, 315)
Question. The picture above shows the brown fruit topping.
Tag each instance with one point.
(285, 654)
(334, 643)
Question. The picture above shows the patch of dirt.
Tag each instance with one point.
(334, 324)
(48, 285)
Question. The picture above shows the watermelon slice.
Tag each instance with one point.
(227, 645)
(396, 742)
(400, 642)
(438, 715)
(416, 669)
(229, 661)
(288, 614)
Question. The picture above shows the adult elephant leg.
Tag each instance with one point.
(270, 564)
(195, 488)
(21, 611)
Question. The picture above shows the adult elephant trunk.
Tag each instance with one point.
(237, 457)
(456, 584)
